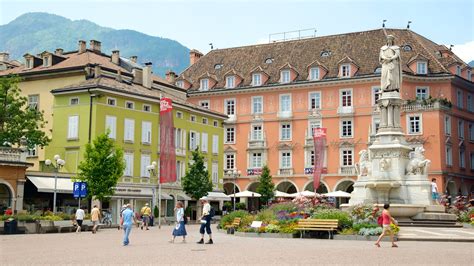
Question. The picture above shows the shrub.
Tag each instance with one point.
(65, 216)
(357, 227)
(272, 228)
(348, 231)
(229, 218)
(51, 218)
(240, 206)
(288, 228)
(370, 231)
(364, 214)
(266, 216)
(343, 217)
(284, 206)
(27, 218)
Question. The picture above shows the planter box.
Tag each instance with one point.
(30, 227)
(364, 238)
(465, 225)
(263, 235)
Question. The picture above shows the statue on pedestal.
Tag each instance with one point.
(389, 58)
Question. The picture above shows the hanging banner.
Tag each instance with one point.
(167, 145)
(319, 139)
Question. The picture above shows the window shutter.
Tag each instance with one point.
(198, 140)
(204, 142)
(73, 127)
(146, 132)
(111, 122)
(215, 144)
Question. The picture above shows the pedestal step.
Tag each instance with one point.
(435, 216)
(429, 224)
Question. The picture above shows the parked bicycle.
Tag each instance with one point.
(107, 218)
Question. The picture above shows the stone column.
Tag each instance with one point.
(397, 116)
(383, 116)
(390, 116)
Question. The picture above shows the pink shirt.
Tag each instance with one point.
(385, 218)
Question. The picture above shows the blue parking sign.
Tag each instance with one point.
(83, 191)
(76, 189)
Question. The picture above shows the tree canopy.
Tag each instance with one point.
(196, 182)
(265, 185)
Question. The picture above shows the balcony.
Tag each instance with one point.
(12, 155)
(255, 144)
(285, 114)
(347, 170)
(345, 110)
(285, 171)
(254, 171)
(232, 119)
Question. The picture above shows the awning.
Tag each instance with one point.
(164, 196)
(246, 194)
(46, 184)
(184, 197)
(217, 196)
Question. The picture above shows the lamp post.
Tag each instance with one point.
(57, 163)
(153, 172)
(234, 173)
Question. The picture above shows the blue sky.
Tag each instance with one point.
(240, 22)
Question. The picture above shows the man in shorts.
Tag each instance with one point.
(434, 191)
(146, 213)
(79, 218)
(95, 218)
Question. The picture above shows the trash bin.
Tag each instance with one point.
(11, 227)
(152, 219)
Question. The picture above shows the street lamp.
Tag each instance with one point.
(154, 172)
(234, 173)
(57, 163)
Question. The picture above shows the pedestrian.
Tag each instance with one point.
(79, 218)
(128, 218)
(387, 219)
(180, 228)
(121, 211)
(146, 213)
(434, 191)
(95, 218)
(205, 221)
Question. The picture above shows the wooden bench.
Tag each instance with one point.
(234, 223)
(329, 225)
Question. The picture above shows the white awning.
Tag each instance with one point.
(338, 194)
(184, 197)
(246, 194)
(217, 196)
(46, 184)
(164, 196)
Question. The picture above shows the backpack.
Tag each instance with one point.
(185, 219)
(212, 212)
(380, 220)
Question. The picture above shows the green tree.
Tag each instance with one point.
(102, 166)
(265, 186)
(196, 182)
(17, 119)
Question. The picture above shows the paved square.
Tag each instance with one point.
(151, 247)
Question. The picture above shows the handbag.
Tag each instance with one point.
(203, 221)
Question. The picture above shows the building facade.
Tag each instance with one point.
(276, 93)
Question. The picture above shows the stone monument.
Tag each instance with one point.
(390, 171)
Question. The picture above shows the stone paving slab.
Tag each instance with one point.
(436, 234)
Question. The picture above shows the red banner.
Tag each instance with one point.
(319, 138)
(167, 146)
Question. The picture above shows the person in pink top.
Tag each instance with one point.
(386, 220)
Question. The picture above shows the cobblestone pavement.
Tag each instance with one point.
(436, 233)
(151, 247)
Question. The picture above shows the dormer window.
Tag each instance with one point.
(217, 66)
(256, 79)
(314, 73)
(268, 60)
(407, 48)
(29, 63)
(204, 86)
(46, 61)
(180, 84)
(285, 76)
(325, 53)
(230, 82)
(458, 70)
(421, 67)
(345, 70)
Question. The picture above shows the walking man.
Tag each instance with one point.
(128, 218)
(146, 213)
(79, 218)
(95, 218)
(434, 191)
(205, 221)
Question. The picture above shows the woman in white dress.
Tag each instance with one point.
(180, 228)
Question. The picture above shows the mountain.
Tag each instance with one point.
(471, 64)
(37, 32)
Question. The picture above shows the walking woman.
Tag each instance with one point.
(180, 228)
(205, 221)
(386, 220)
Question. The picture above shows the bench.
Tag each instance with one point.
(329, 225)
(235, 223)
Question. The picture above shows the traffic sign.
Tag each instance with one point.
(79, 189)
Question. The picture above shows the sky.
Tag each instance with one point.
(230, 23)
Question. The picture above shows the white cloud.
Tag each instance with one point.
(464, 51)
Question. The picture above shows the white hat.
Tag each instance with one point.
(204, 198)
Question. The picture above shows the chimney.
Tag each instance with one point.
(4, 57)
(95, 46)
(116, 57)
(170, 76)
(97, 71)
(59, 51)
(194, 56)
(147, 75)
(133, 58)
(137, 75)
(82, 47)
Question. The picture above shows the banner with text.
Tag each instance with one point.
(319, 138)
(167, 145)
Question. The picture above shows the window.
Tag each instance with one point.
(325, 53)
(314, 73)
(218, 66)
(193, 118)
(193, 140)
(215, 173)
(462, 158)
(179, 115)
(285, 159)
(257, 104)
(470, 104)
(33, 152)
(375, 95)
(111, 125)
(447, 125)
(128, 157)
(285, 131)
(314, 100)
(461, 129)
(256, 79)
(346, 128)
(215, 123)
(180, 84)
(229, 161)
(285, 103)
(33, 102)
(73, 127)
(407, 48)
(471, 131)
(346, 98)
(345, 70)
(422, 93)
(230, 135)
(74, 101)
(257, 132)
(459, 98)
(146, 108)
(129, 105)
(347, 157)
(458, 70)
(230, 82)
(204, 121)
(215, 144)
(310, 158)
(46, 61)
(144, 163)
(111, 101)
(229, 105)
(204, 85)
(268, 60)
(29, 63)
(414, 124)
(449, 155)
(129, 128)
(312, 125)
(421, 68)
(256, 160)
(204, 141)
(178, 138)
(375, 125)
(146, 132)
(204, 104)
(285, 76)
